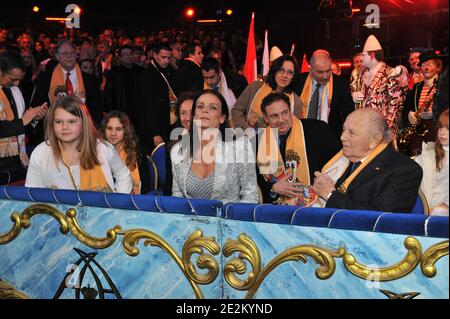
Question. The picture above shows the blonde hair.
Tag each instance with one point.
(87, 145)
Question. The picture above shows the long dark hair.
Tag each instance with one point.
(130, 140)
(439, 150)
(276, 66)
(222, 126)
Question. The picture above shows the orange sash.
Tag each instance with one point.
(135, 177)
(306, 95)
(58, 81)
(90, 179)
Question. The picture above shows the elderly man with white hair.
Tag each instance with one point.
(368, 174)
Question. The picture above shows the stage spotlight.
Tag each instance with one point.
(190, 12)
(36, 9)
(229, 12)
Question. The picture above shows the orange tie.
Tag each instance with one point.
(69, 85)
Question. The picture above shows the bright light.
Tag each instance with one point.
(356, 10)
(57, 19)
(229, 12)
(36, 9)
(345, 65)
(77, 10)
(190, 12)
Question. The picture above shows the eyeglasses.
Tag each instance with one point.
(289, 73)
(67, 54)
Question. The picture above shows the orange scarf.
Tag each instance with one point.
(8, 146)
(135, 177)
(270, 161)
(90, 179)
(330, 166)
(59, 81)
(306, 95)
(255, 114)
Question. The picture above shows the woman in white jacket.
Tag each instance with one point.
(212, 167)
(434, 162)
(73, 156)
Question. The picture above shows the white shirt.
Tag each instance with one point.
(73, 78)
(44, 172)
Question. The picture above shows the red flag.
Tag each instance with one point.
(250, 60)
(305, 65)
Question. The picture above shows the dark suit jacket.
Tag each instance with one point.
(321, 145)
(341, 102)
(389, 183)
(93, 101)
(120, 90)
(185, 76)
(411, 101)
(236, 82)
(11, 128)
(153, 108)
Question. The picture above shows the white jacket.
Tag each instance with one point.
(44, 172)
(434, 184)
(234, 176)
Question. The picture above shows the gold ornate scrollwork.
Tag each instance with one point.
(431, 256)
(399, 270)
(85, 238)
(322, 256)
(247, 250)
(43, 209)
(14, 232)
(131, 240)
(8, 291)
(195, 245)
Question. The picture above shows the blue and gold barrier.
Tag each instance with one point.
(66, 244)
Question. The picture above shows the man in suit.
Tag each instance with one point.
(190, 70)
(155, 99)
(67, 76)
(303, 146)
(14, 118)
(214, 78)
(121, 83)
(12, 70)
(368, 174)
(325, 96)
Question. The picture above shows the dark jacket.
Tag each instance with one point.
(236, 82)
(341, 102)
(120, 90)
(186, 75)
(321, 145)
(389, 183)
(11, 128)
(153, 107)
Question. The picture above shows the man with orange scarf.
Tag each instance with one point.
(368, 174)
(289, 152)
(13, 116)
(67, 77)
(325, 96)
